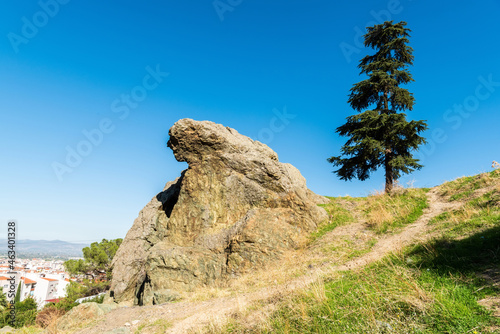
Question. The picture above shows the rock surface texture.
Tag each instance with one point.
(234, 208)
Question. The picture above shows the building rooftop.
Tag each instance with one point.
(49, 279)
(27, 280)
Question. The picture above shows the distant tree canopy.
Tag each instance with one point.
(3, 298)
(75, 267)
(97, 258)
(381, 136)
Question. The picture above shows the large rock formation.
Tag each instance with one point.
(235, 207)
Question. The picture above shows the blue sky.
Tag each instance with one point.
(122, 72)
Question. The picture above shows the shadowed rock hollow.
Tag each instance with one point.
(235, 207)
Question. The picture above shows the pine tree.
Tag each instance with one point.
(17, 298)
(381, 136)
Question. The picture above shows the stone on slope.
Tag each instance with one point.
(83, 313)
(234, 208)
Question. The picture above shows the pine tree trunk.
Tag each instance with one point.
(389, 175)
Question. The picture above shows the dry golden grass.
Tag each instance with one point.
(316, 290)
(378, 214)
(383, 211)
(466, 212)
(30, 330)
(48, 318)
(158, 326)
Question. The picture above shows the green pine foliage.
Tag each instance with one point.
(3, 299)
(381, 136)
(26, 312)
(99, 255)
(17, 298)
(97, 258)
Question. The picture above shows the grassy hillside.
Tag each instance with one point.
(381, 213)
(417, 261)
(442, 285)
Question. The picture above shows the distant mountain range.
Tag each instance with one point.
(44, 248)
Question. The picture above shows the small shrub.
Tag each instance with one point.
(47, 318)
(96, 299)
(64, 304)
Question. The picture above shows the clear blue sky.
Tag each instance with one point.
(67, 67)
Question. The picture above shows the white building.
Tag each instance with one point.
(61, 288)
(28, 287)
(5, 284)
(45, 281)
(45, 290)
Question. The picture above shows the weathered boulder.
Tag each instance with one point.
(83, 313)
(235, 207)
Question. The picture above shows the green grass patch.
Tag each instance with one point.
(158, 327)
(366, 248)
(337, 216)
(463, 187)
(384, 213)
(30, 330)
(474, 216)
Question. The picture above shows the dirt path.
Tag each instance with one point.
(187, 317)
(410, 234)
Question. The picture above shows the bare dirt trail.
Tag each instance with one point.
(188, 317)
(410, 234)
